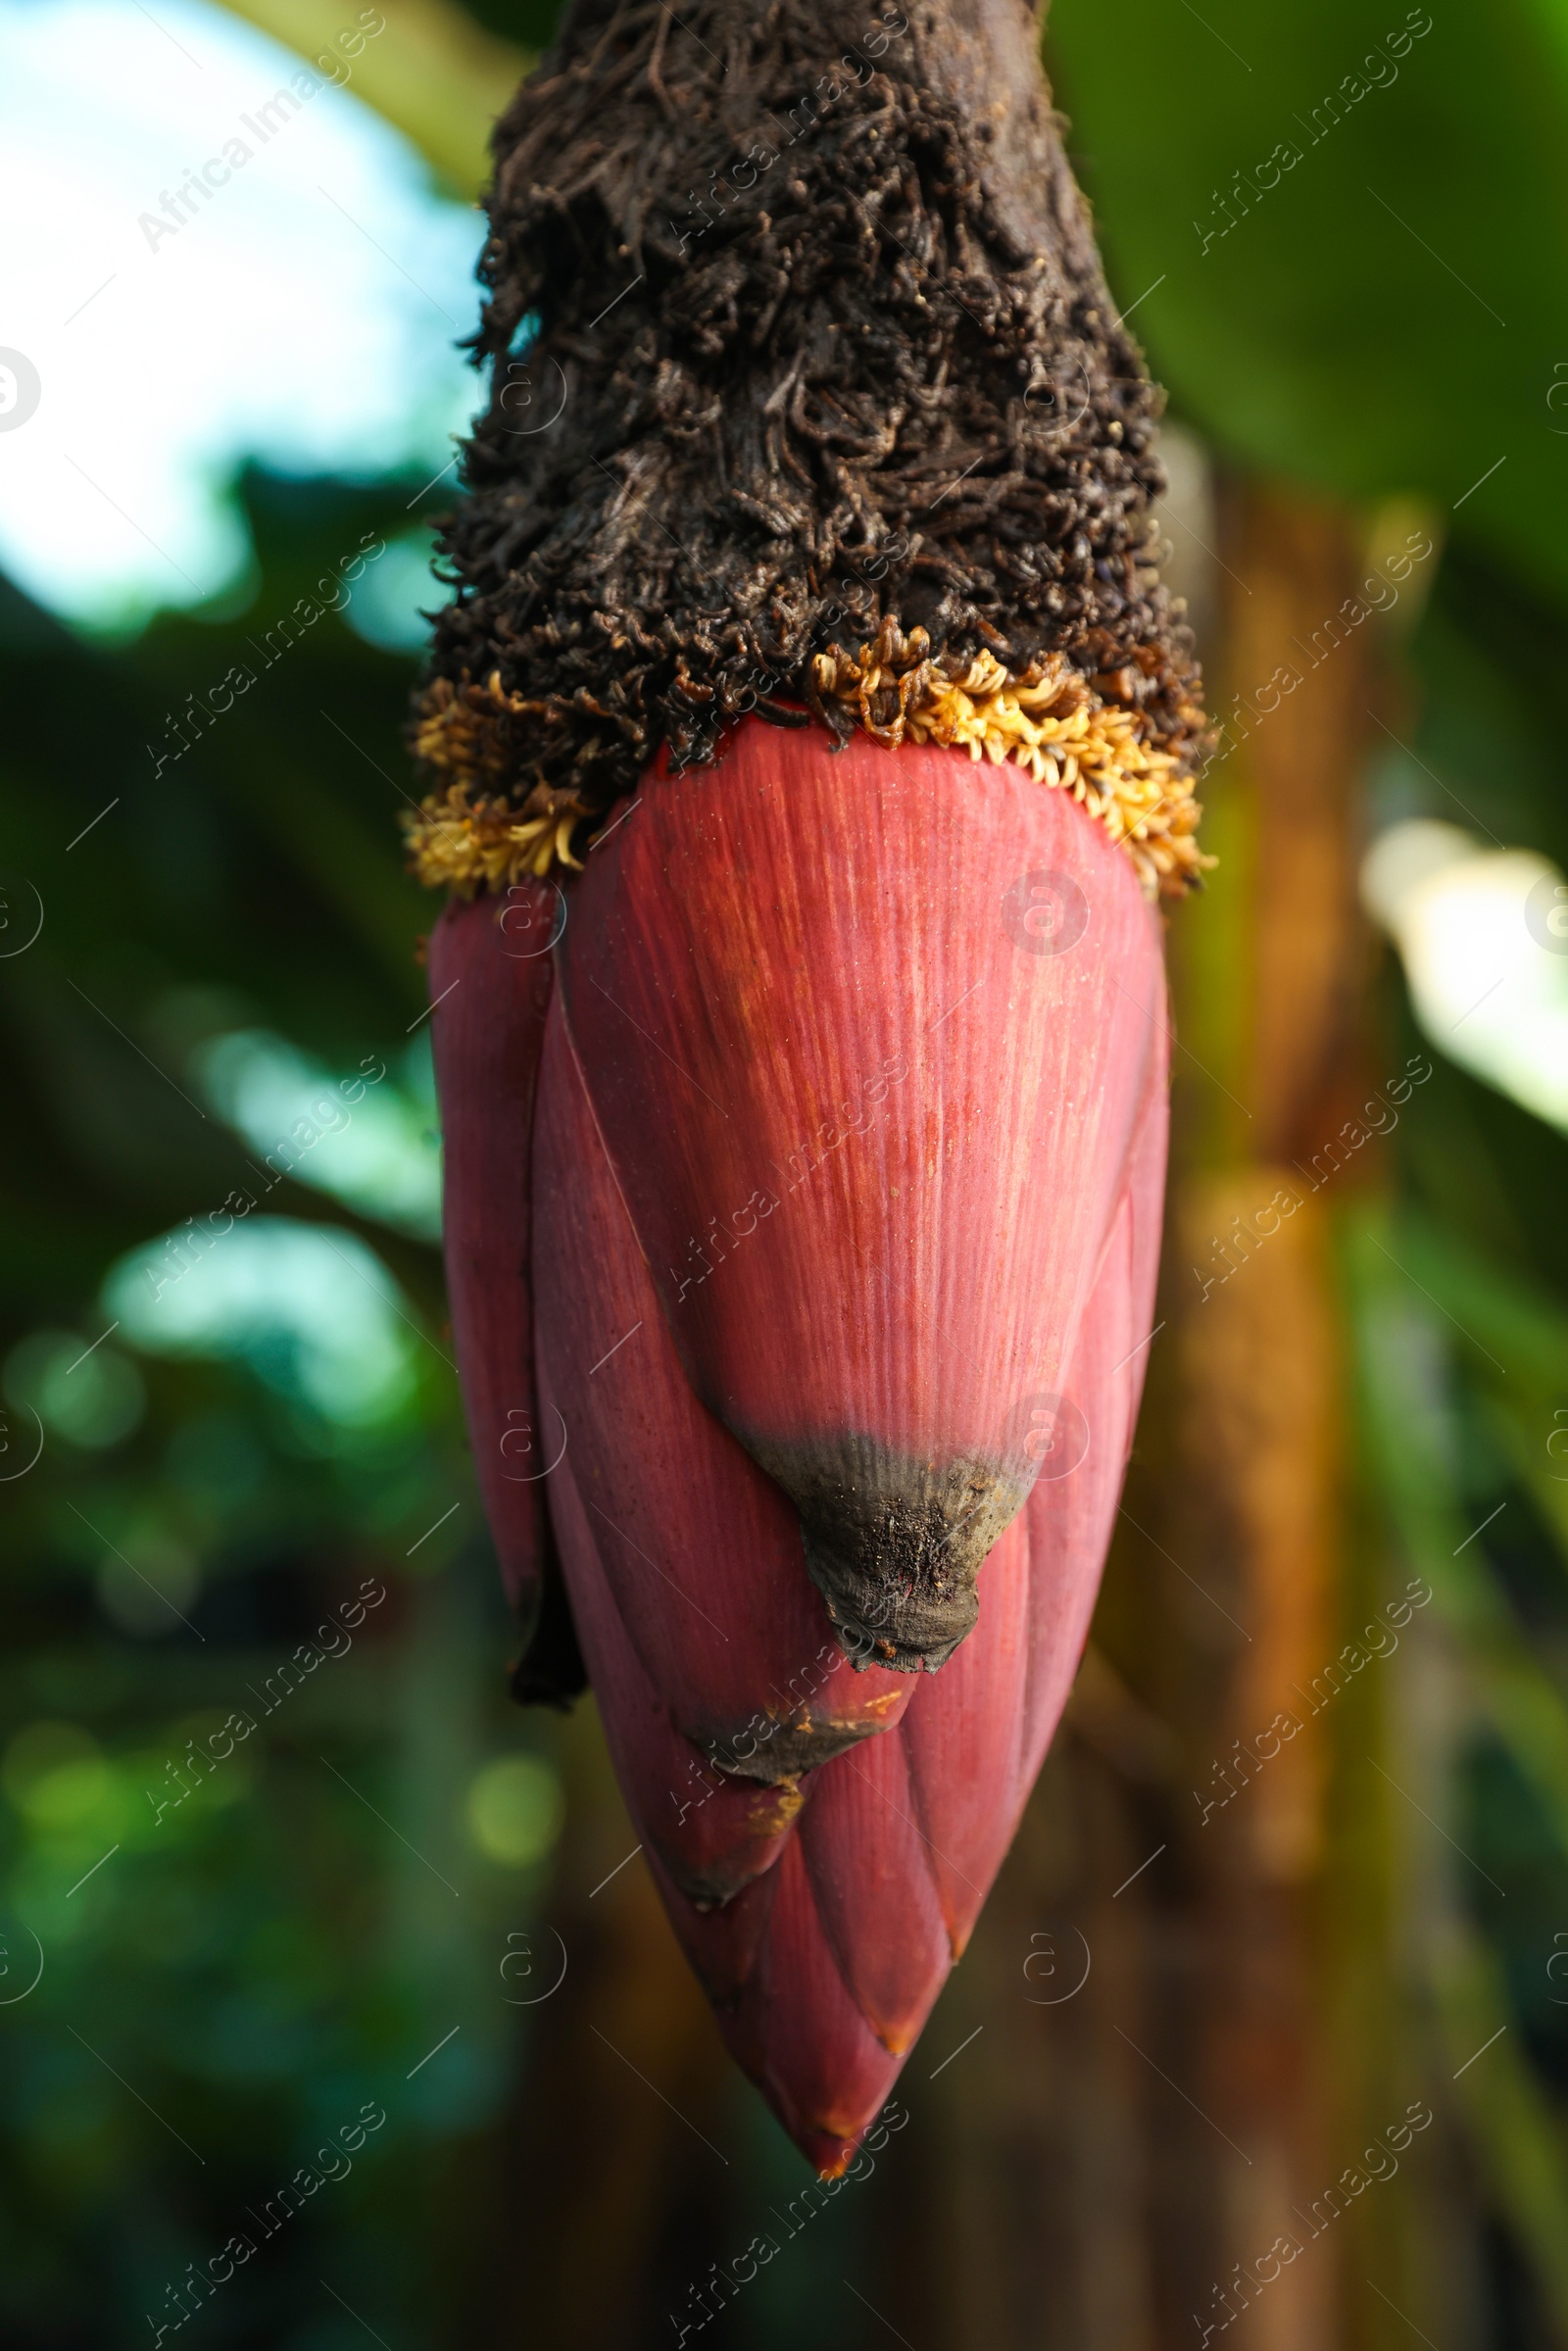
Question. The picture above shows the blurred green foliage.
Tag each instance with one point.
(264, 1958)
(261, 1956)
(1378, 311)
(1382, 313)
(1342, 230)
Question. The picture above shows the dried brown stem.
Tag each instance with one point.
(795, 324)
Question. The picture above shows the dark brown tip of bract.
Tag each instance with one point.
(894, 1545)
(794, 325)
(777, 1751)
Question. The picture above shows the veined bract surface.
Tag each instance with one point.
(806, 1221)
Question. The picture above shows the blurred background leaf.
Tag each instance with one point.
(435, 73)
(359, 1902)
(1386, 314)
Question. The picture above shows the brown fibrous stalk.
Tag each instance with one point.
(807, 399)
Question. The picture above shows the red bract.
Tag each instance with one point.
(806, 1229)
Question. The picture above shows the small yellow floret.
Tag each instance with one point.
(1048, 719)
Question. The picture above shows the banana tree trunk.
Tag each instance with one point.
(1108, 2166)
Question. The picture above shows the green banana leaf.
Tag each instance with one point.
(1388, 314)
(432, 71)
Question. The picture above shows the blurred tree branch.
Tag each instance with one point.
(434, 72)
